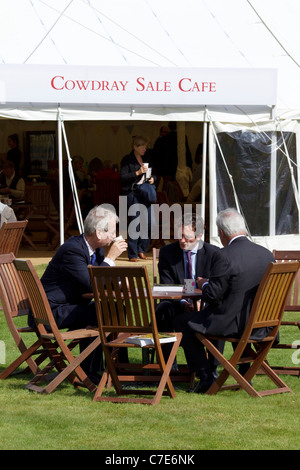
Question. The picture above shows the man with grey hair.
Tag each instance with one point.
(228, 292)
(173, 267)
(66, 278)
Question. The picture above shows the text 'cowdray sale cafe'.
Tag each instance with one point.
(136, 86)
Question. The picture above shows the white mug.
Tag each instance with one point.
(189, 286)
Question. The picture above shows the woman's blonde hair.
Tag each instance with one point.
(138, 141)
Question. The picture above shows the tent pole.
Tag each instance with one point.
(204, 160)
(60, 178)
(73, 183)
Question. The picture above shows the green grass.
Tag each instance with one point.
(69, 419)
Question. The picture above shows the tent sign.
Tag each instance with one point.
(137, 85)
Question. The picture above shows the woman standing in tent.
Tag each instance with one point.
(133, 172)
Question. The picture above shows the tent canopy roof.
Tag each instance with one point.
(152, 33)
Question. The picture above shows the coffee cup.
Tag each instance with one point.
(148, 173)
(189, 286)
(118, 238)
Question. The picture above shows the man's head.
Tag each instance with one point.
(192, 227)
(77, 162)
(230, 224)
(100, 226)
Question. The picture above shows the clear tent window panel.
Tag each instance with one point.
(254, 170)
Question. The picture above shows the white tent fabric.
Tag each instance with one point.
(237, 34)
(139, 33)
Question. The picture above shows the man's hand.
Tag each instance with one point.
(200, 281)
(188, 306)
(116, 249)
(5, 191)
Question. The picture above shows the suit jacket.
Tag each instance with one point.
(171, 262)
(66, 278)
(236, 273)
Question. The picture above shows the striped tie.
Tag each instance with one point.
(190, 266)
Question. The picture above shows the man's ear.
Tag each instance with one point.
(98, 233)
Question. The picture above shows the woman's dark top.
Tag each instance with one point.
(129, 166)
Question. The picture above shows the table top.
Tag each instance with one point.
(161, 292)
(165, 294)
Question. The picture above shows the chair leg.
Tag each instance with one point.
(25, 356)
(163, 379)
(67, 372)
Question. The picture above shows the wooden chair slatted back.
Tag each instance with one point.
(38, 300)
(13, 294)
(123, 298)
(11, 234)
(39, 195)
(285, 256)
(268, 305)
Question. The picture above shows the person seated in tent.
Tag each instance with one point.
(83, 181)
(95, 166)
(10, 183)
(14, 153)
(6, 214)
(107, 171)
(81, 175)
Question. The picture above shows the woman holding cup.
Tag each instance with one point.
(136, 169)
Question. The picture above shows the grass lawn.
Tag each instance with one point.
(69, 419)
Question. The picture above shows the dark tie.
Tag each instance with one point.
(190, 268)
(93, 258)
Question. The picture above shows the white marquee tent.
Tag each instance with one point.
(235, 63)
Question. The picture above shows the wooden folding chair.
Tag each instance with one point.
(39, 196)
(11, 234)
(15, 304)
(292, 305)
(59, 344)
(267, 311)
(125, 308)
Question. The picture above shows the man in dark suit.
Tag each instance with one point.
(236, 272)
(173, 268)
(66, 278)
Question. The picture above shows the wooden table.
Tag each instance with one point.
(165, 294)
(162, 292)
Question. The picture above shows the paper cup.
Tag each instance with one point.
(148, 173)
(118, 238)
(189, 286)
(146, 165)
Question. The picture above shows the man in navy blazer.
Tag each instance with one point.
(66, 278)
(173, 269)
(237, 270)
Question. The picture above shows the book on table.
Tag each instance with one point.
(144, 340)
(167, 288)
